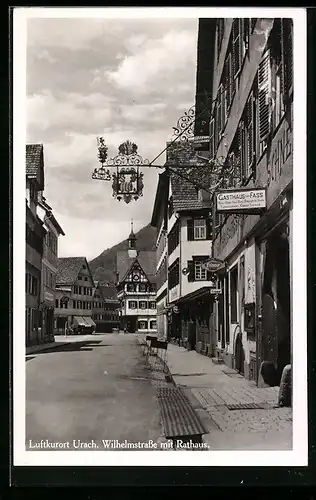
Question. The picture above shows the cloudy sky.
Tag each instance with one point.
(117, 78)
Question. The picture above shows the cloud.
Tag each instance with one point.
(120, 79)
(158, 62)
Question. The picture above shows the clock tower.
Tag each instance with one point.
(132, 252)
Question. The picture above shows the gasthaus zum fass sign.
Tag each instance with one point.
(241, 200)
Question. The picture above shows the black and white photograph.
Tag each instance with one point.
(159, 208)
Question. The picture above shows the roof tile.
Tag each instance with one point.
(68, 269)
(33, 158)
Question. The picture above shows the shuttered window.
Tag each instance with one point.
(264, 90)
(219, 110)
(212, 144)
(228, 82)
(236, 39)
(250, 131)
(287, 54)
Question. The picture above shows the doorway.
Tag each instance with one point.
(276, 301)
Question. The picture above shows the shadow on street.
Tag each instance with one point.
(87, 345)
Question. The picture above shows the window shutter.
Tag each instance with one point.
(212, 139)
(236, 46)
(264, 84)
(253, 23)
(224, 108)
(190, 229)
(219, 110)
(250, 123)
(229, 90)
(287, 55)
(191, 271)
(208, 229)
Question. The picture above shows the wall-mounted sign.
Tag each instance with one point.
(212, 265)
(215, 291)
(241, 201)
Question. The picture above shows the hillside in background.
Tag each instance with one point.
(103, 267)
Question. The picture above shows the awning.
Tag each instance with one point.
(89, 321)
(79, 321)
(205, 291)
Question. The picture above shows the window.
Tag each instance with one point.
(142, 325)
(174, 274)
(153, 305)
(143, 304)
(212, 139)
(142, 287)
(56, 303)
(236, 41)
(174, 238)
(79, 290)
(130, 287)
(132, 304)
(199, 229)
(233, 294)
(264, 90)
(75, 289)
(200, 274)
(86, 279)
(74, 304)
(220, 35)
(153, 325)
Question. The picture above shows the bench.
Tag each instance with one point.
(180, 422)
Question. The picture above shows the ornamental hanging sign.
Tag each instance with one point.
(213, 265)
(127, 179)
(250, 201)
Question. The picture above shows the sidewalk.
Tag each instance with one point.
(212, 390)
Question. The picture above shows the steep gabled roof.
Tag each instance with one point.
(185, 195)
(68, 269)
(34, 163)
(146, 260)
(185, 165)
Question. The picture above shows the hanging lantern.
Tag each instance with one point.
(127, 179)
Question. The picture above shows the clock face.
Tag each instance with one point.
(136, 277)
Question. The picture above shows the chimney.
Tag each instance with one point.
(204, 195)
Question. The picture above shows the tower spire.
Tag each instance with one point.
(132, 241)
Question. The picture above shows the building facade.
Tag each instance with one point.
(251, 125)
(182, 211)
(105, 308)
(49, 267)
(74, 295)
(136, 288)
(35, 234)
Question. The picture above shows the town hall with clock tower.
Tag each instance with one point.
(136, 288)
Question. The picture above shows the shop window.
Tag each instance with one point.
(233, 294)
(142, 325)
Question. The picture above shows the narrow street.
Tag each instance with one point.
(93, 389)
